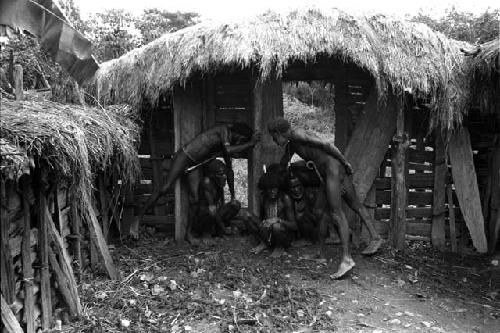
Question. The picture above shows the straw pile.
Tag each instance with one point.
(485, 76)
(399, 54)
(74, 141)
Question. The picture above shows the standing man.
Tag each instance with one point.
(334, 169)
(218, 141)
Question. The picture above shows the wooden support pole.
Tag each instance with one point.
(103, 251)
(9, 319)
(65, 264)
(64, 285)
(494, 202)
(398, 179)
(76, 238)
(156, 166)
(104, 204)
(466, 187)
(451, 216)
(7, 267)
(18, 81)
(267, 103)
(29, 297)
(438, 208)
(43, 248)
(369, 141)
(188, 120)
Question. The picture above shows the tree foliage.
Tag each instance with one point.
(155, 22)
(464, 26)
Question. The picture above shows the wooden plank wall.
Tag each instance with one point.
(420, 186)
(155, 152)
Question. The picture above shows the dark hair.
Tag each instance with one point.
(269, 180)
(279, 124)
(241, 129)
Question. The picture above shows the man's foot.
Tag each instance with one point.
(277, 252)
(373, 246)
(301, 243)
(259, 248)
(345, 266)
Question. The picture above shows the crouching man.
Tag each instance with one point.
(214, 215)
(276, 226)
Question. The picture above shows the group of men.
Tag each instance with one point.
(300, 199)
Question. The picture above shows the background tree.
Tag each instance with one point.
(155, 22)
(464, 26)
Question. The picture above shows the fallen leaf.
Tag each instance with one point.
(125, 323)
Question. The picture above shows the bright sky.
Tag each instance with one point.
(234, 9)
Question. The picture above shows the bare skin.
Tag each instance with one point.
(312, 149)
(181, 162)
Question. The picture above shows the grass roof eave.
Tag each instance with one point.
(398, 54)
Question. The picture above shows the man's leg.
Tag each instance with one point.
(280, 240)
(334, 199)
(353, 202)
(180, 162)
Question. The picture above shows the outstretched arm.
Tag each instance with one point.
(235, 149)
(313, 140)
(229, 174)
(287, 156)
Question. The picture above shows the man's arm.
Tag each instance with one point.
(315, 141)
(287, 156)
(289, 214)
(235, 149)
(229, 174)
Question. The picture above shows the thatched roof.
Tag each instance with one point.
(74, 141)
(485, 75)
(400, 54)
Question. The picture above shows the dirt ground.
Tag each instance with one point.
(166, 287)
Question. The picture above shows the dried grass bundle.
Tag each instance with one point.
(401, 54)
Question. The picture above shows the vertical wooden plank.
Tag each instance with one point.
(18, 81)
(398, 180)
(43, 248)
(104, 204)
(267, 103)
(155, 162)
(466, 187)
(451, 216)
(494, 207)
(128, 214)
(187, 124)
(76, 238)
(29, 297)
(369, 141)
(8, 318)
(438, 207)
(7, 273)
(102, 248)
(342, 114)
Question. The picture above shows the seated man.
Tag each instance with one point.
(276, 225)
(333, 169)
(213, 214)
(218, 141)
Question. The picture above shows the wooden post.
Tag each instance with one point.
(267, 103)
(65, 265)
(494, 180)
(466, 187)
(104, 203)
(76, 238)
(155, 164)
(438, 208)
(43, 248)
(102, 248)
(451, 216)
(369, 141)
(29, 297)
(187, 124)
(7, 267)
(342, 114)
(18, 81)
(9, 319)
(398, 180)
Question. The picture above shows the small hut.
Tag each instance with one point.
(62, 170)
(401, 84)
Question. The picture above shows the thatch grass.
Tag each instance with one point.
(485, 75)
(402, 55)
